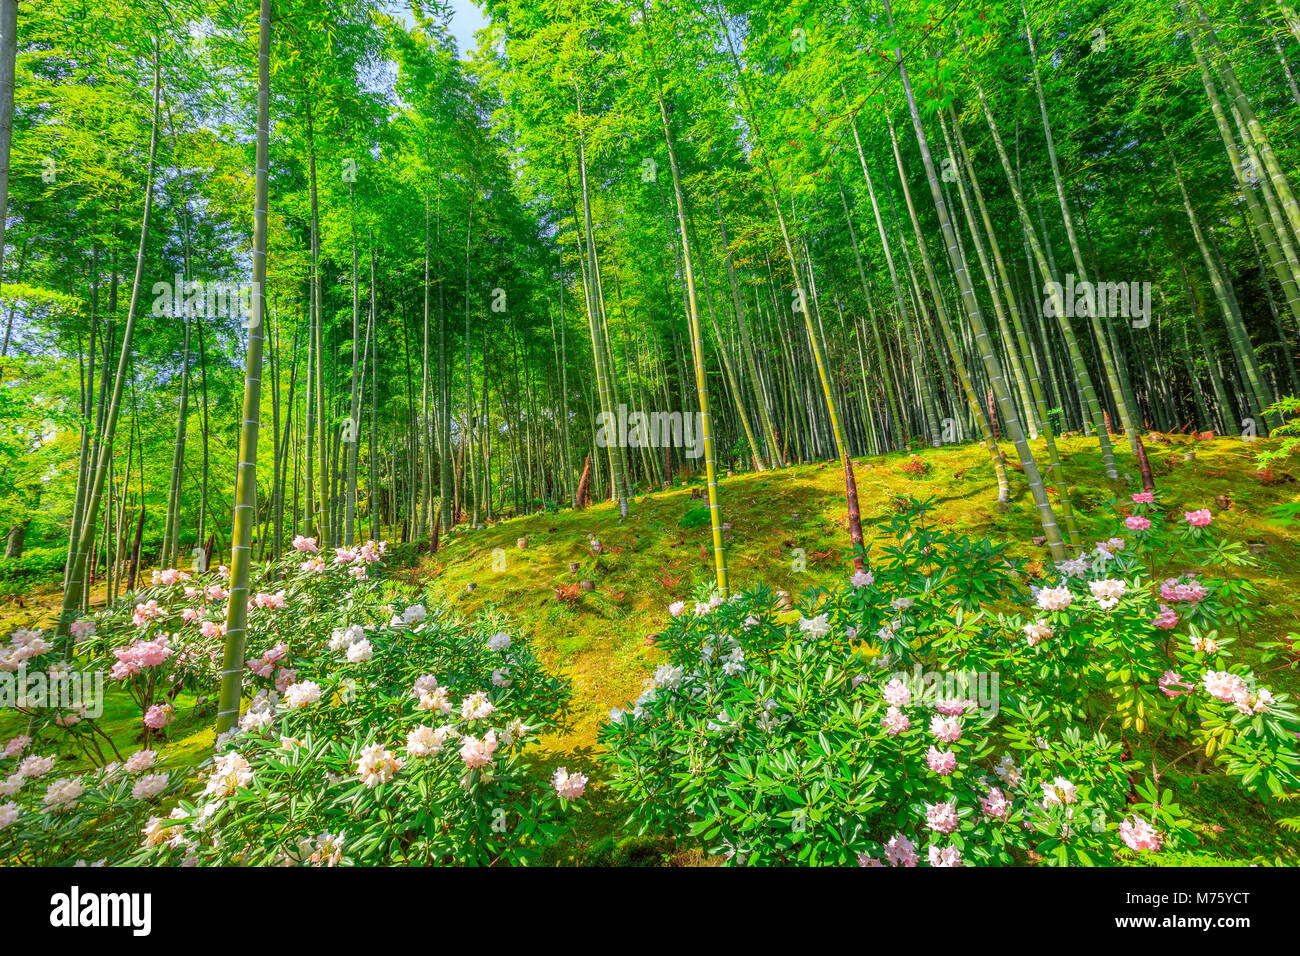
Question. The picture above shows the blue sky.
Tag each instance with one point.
(466, 18)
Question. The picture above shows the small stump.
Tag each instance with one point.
(1224, 502)
(469, 588)
(573, 567)
(521, 543)
(587, 585)
(1257, 547)
(783, 600)
(1038, 540)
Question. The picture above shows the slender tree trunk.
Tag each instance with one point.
(246, 475)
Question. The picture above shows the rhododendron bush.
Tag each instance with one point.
(370, 733)
(935, 710)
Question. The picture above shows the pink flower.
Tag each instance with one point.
(1137, 523)
(864, 859)
(895, 722)
(1166, 620)
(301, 543)
(1190, 591)
(900, 851)
(948, 856)
(942, 762)
(568, 785)
(83, 628)
(144, 613)
(941, 817)
(284, 677)
(141, 654)
(1170, 680)
(1138, 834)
(946, 729)
(1055, 599)
(1037, 632)
(267, 600)
(213, 629)
(1224, 685)
(995, 804)
(1199, 519)
(897, 694)
(17, 745)
(1144, 498)
(159, 716)
(478, 753)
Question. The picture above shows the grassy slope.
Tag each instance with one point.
(599, 640)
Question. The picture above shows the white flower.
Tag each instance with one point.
(343, 638)
(676, 608)
(1107, 593)
(360, 651)
(436, 699)
(377, 765)
(301, 694)
(501, 677)
(1055, 599)
(1059, 792)
(62, 794)
(424, 741)
(229, 772)
(414, 614)
(476, 707)
(569, 785)
(149, 786)
(499, 641)
(1073, 568)
(816, 628)
(666, 675)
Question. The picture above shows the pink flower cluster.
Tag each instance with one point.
(146, 612)
(1199, 519)
(301, 543)
(369, 553)
(1137, 523)
(1138, 834)
(264, 665)
(1144, 498)
(141, 654)
(1166, 620)
(159, 716)
(478, 752)
(1190, 590)
(267, 600)
(1172, 684)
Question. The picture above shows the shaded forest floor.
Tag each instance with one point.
(598, 639)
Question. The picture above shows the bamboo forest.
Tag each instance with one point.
(649, 433)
